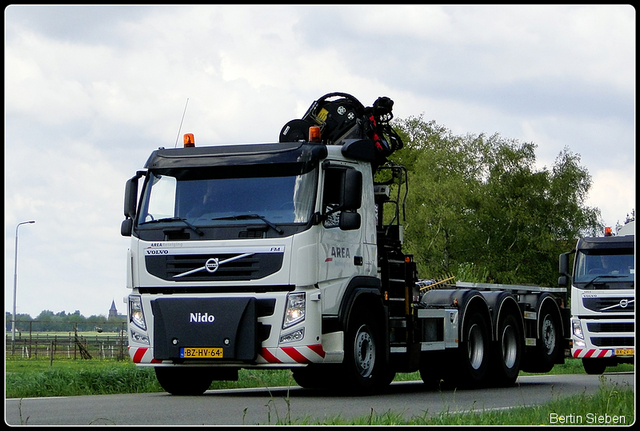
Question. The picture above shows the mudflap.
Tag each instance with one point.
(229, 324)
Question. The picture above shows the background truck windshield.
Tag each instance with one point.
(610, 265)
(210, 201)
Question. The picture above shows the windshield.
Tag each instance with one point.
(212, 201)
(604, 266)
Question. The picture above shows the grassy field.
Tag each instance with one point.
(42, 378)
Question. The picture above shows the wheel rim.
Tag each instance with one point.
(364, 351)
(476, 346)
(548, 334)
(509, 346)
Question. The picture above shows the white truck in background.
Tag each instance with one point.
(602, 298)
(289, 255)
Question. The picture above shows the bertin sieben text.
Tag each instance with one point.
(587, 419)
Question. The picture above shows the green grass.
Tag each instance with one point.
(40, 378)
(37, 378)
(27, 378)
(612, 404)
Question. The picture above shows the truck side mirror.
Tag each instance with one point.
(126, 227)
(563, 269)
(130, 203)
(563, 264)
(349, 220)
(130, 197)
(352, 190)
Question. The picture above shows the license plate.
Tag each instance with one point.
(201, 352)
(623, 352)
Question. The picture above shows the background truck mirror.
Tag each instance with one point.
(563, 264)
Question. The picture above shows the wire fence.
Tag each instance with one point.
(108, 340)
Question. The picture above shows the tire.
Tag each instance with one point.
(184, 381)
(315, 376)
(594, 366)
(549, 345)
(364, 366)
(507, 352)
(473, 354)
(437, 369)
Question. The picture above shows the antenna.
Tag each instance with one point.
(180, 128)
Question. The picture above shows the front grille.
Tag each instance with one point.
(612, 341)
(610, 305)
(611, 327)
(252, 267)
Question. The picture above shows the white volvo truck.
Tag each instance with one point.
(289, 255)
(602, 299)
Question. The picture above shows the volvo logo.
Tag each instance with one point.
(624, 303)
(212, 265)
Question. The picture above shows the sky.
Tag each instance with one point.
(90, 91)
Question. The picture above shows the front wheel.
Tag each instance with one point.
(364, 366)
(184, 381)
(316, 376)
(594, 366)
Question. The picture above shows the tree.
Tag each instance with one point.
(480, 201)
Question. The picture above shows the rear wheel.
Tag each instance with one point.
(184, 381)
(507, 352)
(468, 365)
(550, 341)
(473, 352)
(437, 369)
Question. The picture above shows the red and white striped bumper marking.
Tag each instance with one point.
(278, 355)
(592, 353)
(142, 355)
(292, 355)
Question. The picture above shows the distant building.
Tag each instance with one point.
(113, 312)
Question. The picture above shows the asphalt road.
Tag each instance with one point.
(268, 406)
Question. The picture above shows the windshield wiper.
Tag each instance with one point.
(167, 219)
(601, 276)
(252, 216)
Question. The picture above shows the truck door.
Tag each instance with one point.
(342, 252)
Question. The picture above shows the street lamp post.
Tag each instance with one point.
(15, 288)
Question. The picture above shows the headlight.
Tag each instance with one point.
(136, 315)
(295, 311)
(577, 329)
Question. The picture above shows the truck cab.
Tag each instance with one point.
(249, 255)
(602, 299)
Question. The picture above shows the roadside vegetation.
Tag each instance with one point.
(614, 405)
(27, 378)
